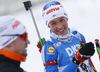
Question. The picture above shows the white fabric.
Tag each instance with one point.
(62, 68)
(9, 25)
(65, 39)
(53, 12)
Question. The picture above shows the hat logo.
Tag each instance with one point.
(54, 15)
(52, 10)
(65, 14)
(15, 24)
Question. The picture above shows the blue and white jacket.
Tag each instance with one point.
(63, 53)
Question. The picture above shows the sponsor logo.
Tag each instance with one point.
(57, 44)
(51, 49)
(15, 24)
(7, 41)
(72, 50)
(2, 29)
(52, 10)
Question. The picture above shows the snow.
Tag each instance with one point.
(83, 15)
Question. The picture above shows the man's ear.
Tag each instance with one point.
(48, 26)
(7, 47)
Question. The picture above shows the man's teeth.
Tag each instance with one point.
(61, 30)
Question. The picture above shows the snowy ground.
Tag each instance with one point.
(83, 15)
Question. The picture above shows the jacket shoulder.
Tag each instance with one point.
(78, 35)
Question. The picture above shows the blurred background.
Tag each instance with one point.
(83, 15)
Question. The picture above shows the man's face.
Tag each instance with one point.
(19, 46)
(59, 26)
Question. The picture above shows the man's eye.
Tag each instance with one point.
(61, 20)
(53, 24)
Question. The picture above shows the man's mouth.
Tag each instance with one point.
(62, 30)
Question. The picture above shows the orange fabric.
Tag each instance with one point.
(12, 55)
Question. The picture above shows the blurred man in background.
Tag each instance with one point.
(13, 43)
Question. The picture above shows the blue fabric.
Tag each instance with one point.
(49, 54)
(67, 51)
(63, 53)
(70, 68)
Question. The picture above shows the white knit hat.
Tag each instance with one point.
(53, 12)
(8, 26)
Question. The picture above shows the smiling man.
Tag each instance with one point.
(13, 43)
(64, 53)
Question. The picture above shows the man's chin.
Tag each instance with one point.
(25, 55)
